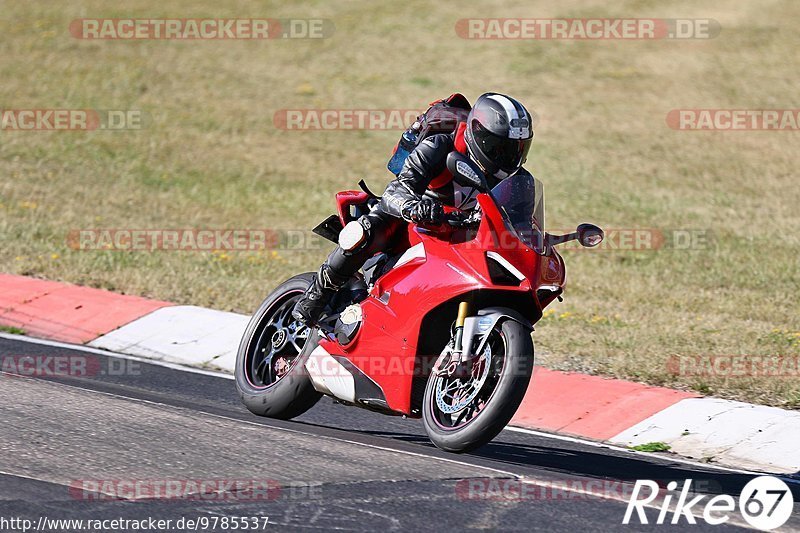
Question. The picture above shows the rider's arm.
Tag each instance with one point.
(425, 162)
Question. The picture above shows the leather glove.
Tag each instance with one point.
(424, 211)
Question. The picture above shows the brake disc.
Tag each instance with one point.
(473, 385)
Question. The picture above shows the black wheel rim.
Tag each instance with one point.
(457, 402)
(275, 344)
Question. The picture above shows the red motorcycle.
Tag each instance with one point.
(438, 327)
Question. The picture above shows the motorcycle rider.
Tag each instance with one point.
(496, 136)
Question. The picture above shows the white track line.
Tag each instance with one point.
(531, 480)
(277, 428)
(89, 349)
(543, 434)
(666, 458)
(540, 482)
(523, 478)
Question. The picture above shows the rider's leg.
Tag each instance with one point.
(358, 242)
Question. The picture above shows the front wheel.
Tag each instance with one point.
(468, 409)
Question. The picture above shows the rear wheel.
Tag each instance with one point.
(464, 410)
(270, 373)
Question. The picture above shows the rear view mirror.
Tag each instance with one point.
(465, 172)
(589, 235)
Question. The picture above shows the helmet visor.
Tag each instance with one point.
(507, 154)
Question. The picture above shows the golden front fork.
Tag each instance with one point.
(463, 311)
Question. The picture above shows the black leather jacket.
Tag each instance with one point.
(422, 165)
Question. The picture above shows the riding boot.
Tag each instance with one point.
(311, 305)
(342, 264)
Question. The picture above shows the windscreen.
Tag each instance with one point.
(521, 201)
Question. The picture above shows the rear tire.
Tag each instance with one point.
(510, 385)
(261, 389)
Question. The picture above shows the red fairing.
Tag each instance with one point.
(438, 267)
(459, 143)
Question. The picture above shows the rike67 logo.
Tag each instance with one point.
(765, 503)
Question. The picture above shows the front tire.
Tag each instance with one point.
(270, 365)
(490, 397)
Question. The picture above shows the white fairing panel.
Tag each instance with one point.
(514, 271)
(418, 250)
(329, 377)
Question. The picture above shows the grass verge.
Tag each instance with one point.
(209, 156)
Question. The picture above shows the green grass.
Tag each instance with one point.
(11, 329)
(651, 447)
(210, 157)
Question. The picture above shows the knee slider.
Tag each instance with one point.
(353, 236)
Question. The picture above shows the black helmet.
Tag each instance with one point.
(499, 134)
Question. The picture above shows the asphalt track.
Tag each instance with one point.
(339, 468)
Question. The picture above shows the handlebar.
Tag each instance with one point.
(459, 219)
